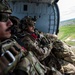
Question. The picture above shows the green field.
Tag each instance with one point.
(67, 34)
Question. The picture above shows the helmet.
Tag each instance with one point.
(27, 21)
(5, 8)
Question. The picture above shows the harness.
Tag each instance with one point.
(10, 54)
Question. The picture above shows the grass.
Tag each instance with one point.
(67, 34)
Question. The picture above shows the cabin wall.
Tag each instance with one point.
(46, 14)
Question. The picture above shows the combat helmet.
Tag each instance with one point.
(27, 21)
(4, 11)
(5, 8)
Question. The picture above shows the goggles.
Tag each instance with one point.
(4, 17)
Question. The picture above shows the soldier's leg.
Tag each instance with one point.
(63, 51)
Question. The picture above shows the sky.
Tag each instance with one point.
(66, 9)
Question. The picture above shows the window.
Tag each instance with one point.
(25, 7)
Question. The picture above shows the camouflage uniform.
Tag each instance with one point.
(32, 43)
(49, 50)
(15, 59)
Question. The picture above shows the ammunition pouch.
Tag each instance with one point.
(10, 55)
(31, 65)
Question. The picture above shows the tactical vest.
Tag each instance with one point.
(10, 54)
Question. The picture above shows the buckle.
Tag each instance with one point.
(9, 56)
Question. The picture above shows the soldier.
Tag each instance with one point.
(15, 30)
(48, 49)
(15, 59)
(16, 23)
